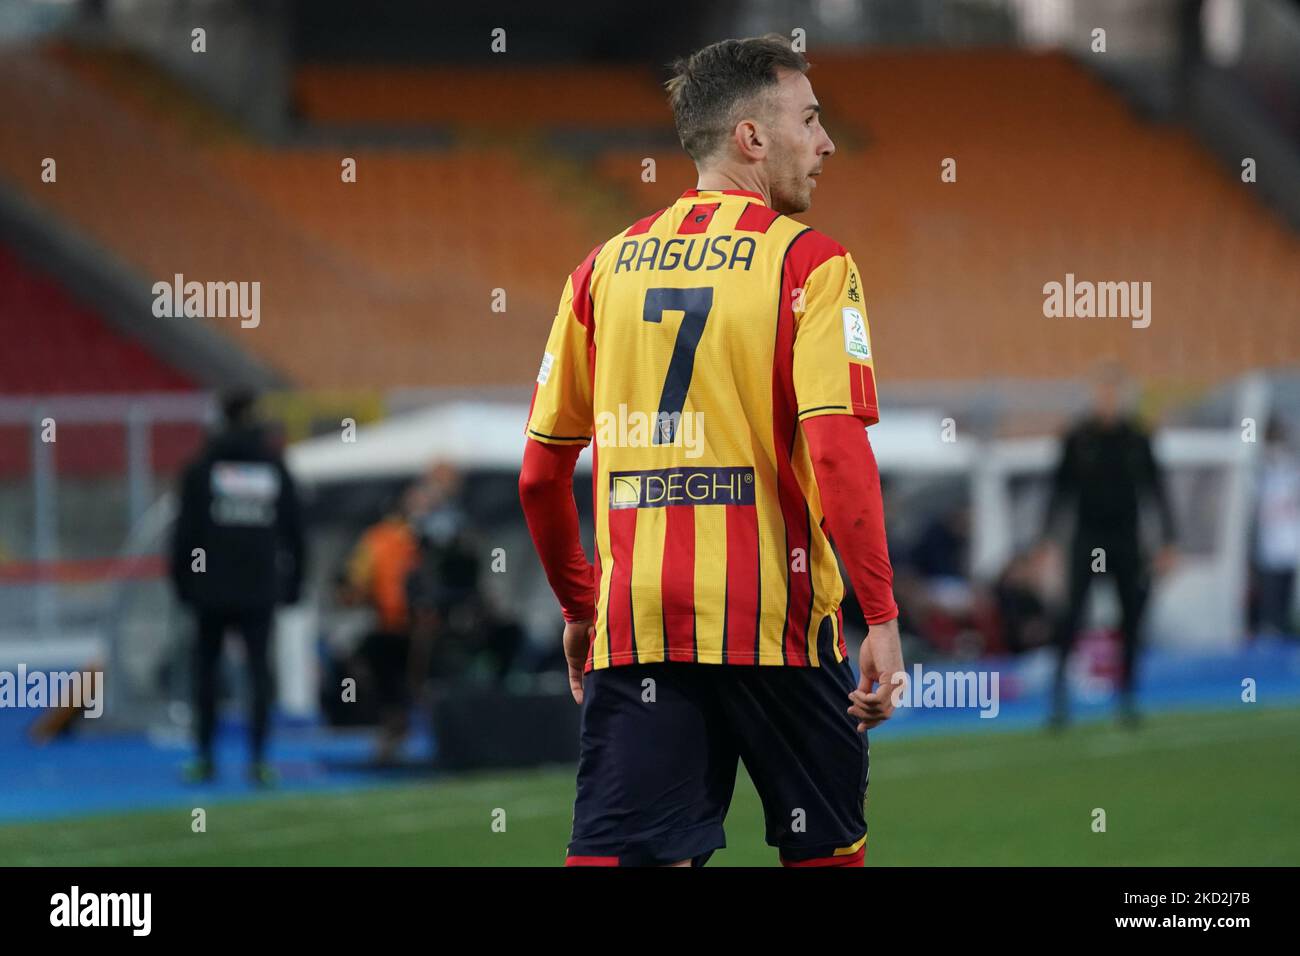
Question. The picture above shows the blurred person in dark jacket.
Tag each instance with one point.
(1106, 472)
(237, 551)
(454, 625)
(1026, 621)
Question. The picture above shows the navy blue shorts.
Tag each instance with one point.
(658, 762)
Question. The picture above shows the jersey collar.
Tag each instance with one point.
(697, 193)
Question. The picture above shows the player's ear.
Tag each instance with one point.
(751, 139)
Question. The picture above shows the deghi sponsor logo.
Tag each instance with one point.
(681, 486)
(82, 690)
(74, 908)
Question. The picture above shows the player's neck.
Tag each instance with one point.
(718, 179)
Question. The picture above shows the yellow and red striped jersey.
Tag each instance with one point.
(690, 346)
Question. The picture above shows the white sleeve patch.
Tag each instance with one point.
(855, 335)
(544, 372)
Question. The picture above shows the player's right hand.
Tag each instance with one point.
(578, 636)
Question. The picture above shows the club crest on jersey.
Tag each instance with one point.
(855, 335)
(661, 487)
(689, 254)
(635, 429)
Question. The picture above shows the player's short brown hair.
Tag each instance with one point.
(708, 86)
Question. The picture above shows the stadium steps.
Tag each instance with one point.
(386, 281)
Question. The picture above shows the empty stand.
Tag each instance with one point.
(388, 282)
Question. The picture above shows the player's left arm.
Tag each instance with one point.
(1154, 480)
(835, 389)
(834, 365)
(848, 483)
(185, 532)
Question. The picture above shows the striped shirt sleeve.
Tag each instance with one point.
(561, 411)
(834, 363)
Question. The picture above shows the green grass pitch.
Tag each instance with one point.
(1188, 789)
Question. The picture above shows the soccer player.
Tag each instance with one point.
(719, 354)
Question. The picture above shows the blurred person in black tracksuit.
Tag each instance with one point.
(1105, 471)
(1276, 534)
(239, 505)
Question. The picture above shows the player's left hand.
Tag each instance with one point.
(880, 660)
(1166, 560)
(873, 707)
(578, 636)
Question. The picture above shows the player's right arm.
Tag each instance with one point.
(1064, 480)
(290, 530)
(560, 423)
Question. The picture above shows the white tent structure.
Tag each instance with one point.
(491, 435)
(470, 434)
(1199, 605)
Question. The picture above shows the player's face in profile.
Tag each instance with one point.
(798, 146)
